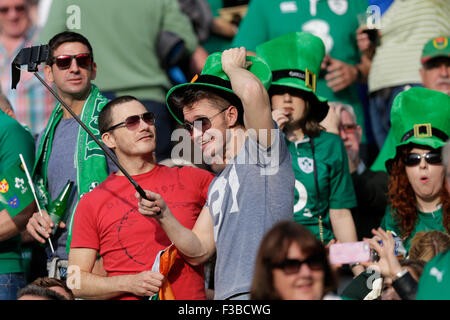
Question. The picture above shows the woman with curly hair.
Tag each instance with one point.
(418, 199)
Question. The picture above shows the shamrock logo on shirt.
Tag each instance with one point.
(306, 165)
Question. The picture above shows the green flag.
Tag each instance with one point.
(15, 192)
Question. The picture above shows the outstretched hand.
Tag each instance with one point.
(153, 206)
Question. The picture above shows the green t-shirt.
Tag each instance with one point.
(425, 222)
(216, 43)
(335, 183)
(434, 284)
(334, 21)
(14, 139)
(123, 35)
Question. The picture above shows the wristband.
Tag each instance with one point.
(400, 274)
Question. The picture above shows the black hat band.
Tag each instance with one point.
(307, 76)
(209, 79)
(423, 131)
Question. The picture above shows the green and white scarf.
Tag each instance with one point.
(90, 159)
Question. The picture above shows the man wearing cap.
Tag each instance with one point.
(435, 70)
(435, 75)
(323, 186)
(227, 111)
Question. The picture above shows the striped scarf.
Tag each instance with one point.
(89, 157)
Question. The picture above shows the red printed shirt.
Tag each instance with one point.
(107, 219)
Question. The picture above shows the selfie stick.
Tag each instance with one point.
(32, 57)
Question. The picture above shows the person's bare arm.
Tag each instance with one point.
(344, 230)
(250, 90)
(196, 245)
(11, 226)
(87, 285)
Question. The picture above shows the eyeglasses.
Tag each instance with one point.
(18, 9)
(84, 60)
(205, 122)
(413, 159)
(132, 122)
(292, 266)
(348, 128)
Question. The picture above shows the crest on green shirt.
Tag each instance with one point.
(15, 193)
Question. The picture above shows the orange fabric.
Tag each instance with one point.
(166, 262)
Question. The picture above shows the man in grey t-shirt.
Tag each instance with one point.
(227, 113)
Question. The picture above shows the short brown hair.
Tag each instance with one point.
(426, 245)
(190, 95)
(46, 282)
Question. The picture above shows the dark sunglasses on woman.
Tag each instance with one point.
(132, 122)
(84, 60)
(292, 266)
(413, 159)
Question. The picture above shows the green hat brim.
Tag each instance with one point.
(216, 81)
(393, 151)
(178, 90)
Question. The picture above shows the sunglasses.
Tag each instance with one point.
(292, 266)
(348, 128)
(18, 9)
(205, 123)
(84, 60)
(132, 122)
(413, 159)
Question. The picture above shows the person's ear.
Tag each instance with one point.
(232, 115)
(109, 140)
(422, 74)
(359, 131)
(94, 71)
(48, 73)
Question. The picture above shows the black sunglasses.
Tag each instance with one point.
(18, 9)
(205, 123)
(292, 266)
(132, 122)
(84, 60)
(413, 159)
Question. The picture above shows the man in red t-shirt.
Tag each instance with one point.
(107, 221)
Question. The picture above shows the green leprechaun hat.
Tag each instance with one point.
(419, 117)
(295, 60)
(436, 47)
(214, 79)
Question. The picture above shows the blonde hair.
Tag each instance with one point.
(426, 245)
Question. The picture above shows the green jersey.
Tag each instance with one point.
(334, 21)
(425, 222)
(334, 180)
(14, 140)
(434, 284)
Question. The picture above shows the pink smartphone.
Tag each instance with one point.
(349, 252)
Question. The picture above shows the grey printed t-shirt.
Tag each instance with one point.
(252, 193)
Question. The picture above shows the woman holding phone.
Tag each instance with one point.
(418, 199)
